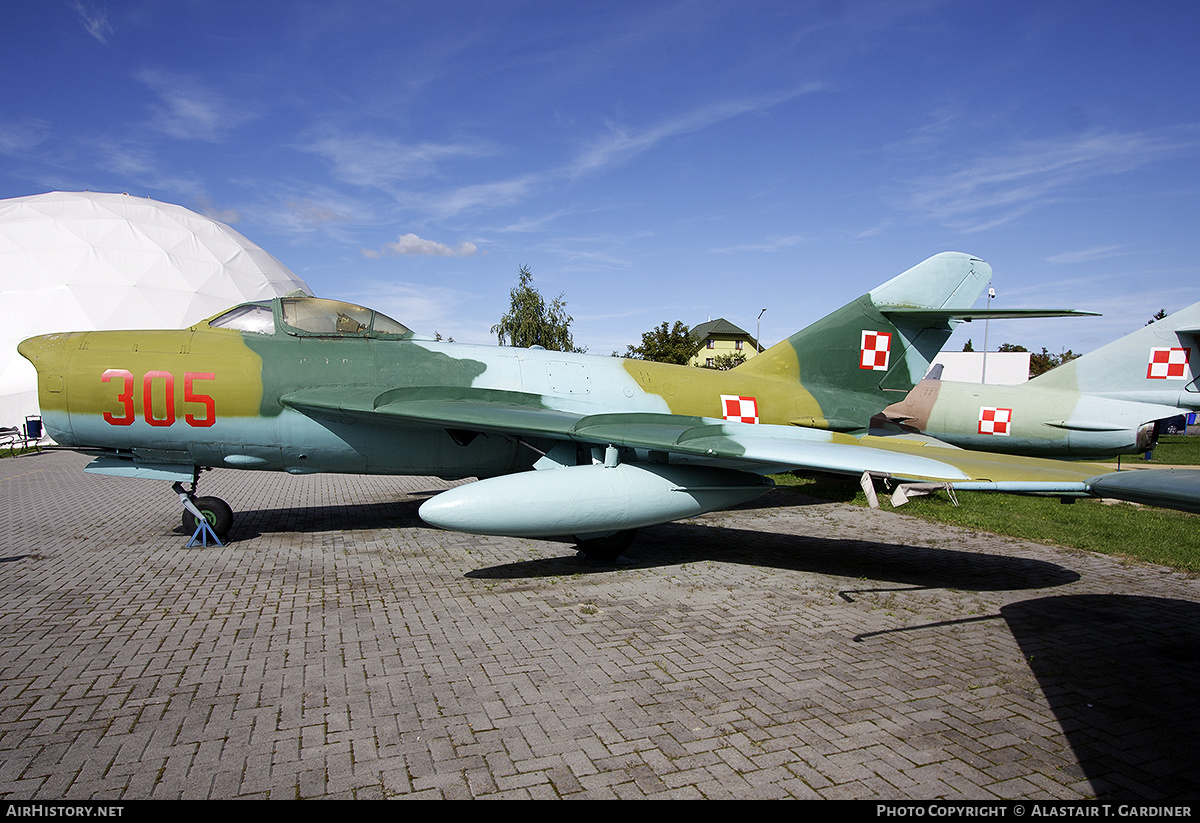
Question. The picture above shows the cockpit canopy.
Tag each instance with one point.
(309, 316)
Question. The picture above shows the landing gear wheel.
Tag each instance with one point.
(608, 548)
(216, 511)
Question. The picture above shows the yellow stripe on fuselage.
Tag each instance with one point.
(692, 391)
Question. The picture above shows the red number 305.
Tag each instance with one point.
(151, 383)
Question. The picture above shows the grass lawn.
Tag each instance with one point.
(1163, 536)
(1175, 450)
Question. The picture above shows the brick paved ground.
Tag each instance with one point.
(340, 648)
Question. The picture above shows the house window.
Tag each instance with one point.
(711, 344)
(738, 345)
(709, 362)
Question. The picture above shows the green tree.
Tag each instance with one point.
(530, 322)
(1041, 363)
(1044, 362)
(970, 346)
(1159, 316)
(666, 344)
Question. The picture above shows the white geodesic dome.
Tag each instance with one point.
(80, 261)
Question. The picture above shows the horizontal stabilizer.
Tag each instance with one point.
(922, 314)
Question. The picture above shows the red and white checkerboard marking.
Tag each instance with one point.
(876, 350)
(1167, 364)
(994, 421)
(740, 409)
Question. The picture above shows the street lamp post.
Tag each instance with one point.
(983, 376)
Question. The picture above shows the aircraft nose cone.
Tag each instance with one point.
(47, 352)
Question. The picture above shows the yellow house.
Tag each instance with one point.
(720, 337)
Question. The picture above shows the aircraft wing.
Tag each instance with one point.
(761, 449)
(1170, 488)
(712, 463)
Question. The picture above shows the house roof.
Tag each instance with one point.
(721, 327)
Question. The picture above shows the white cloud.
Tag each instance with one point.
(500, 193)
(411, 245)
(996, 189)
(209, 209)
(621, 144)
(190, 112)
(310, 212)
(18, 138)
(95, 21)
(366, 160)
(768, 245)
(1084, 256)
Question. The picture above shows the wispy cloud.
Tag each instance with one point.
(94, 20)
(189, 110)
(498, 193)
(996, 189)
(410, 245)
(209, 209)
(17, 138)
(622, 144)
(1084, 256)
(769, 245)
(395, 166)
(136, 164)
(366, 160)
(314, 213)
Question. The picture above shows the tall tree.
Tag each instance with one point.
(1159, 315)
(1041, 363)
(530, 322)
(1044, 362)
(666, 344)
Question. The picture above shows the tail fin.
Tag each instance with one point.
(883, 342)
(1158, 363)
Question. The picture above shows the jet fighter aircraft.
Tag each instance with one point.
(1108, 402)
(567, 445)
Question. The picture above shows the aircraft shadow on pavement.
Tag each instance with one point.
(389, 514)
(672, 544)
(1120, 673)
(913, 566)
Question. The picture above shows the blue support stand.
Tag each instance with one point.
(202, 533)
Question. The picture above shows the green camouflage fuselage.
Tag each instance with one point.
(307, 385)
(215, 397)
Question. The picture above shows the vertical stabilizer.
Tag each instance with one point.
(855, 359)
(1158, 363)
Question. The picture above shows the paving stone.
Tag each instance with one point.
(339, 648)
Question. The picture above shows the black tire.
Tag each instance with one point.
(606, 549)
(216, 511)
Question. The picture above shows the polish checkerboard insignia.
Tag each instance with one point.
(1167, 364)
(876, 350)
(740, 409)
(994, 421)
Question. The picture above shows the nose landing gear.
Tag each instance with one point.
(204, 517)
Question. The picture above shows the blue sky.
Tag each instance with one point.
(650, 161)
